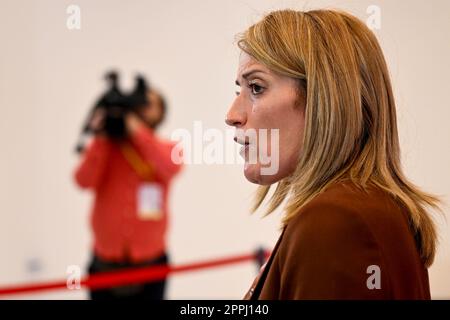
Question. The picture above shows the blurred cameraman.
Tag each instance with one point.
(130, 178)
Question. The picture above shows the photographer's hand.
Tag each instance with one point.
(97, 121)
(133, 123)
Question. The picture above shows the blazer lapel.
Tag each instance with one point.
(257, 285)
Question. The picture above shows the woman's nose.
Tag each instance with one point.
(235, 117)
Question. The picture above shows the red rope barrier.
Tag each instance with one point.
(129, 276)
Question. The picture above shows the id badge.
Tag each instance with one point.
(150, 201)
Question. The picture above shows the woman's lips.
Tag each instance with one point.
(245, 147)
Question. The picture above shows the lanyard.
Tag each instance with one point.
(143, 169)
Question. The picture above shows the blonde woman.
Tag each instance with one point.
(354, 227)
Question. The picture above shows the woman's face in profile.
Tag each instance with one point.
(270, 101)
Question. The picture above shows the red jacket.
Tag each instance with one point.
(119, 231)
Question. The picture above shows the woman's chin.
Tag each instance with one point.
(252, 173)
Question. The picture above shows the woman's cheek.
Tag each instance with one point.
(255, 106)
(261, 105)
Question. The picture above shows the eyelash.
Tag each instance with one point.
(252, 86)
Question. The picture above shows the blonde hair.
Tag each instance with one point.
(350, 118)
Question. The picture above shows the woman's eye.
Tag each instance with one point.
(256, 89)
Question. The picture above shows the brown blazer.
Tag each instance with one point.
(326, 249)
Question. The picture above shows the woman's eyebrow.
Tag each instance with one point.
(248, 74)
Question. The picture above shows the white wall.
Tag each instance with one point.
(50, 76)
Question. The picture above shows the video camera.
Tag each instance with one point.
(116, 104)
